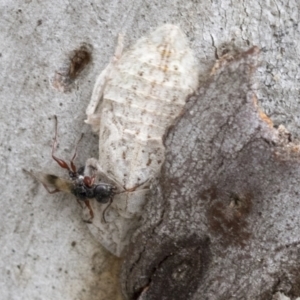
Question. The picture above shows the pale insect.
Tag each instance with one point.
(134, 101)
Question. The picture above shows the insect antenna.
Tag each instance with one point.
(110, 200)
(61, 162)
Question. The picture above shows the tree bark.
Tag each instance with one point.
(222, 222)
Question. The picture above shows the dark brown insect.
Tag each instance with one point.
(76, 62)
(80, 58)
(83, 187)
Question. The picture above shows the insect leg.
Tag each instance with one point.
(44, 185)
(88, 205)
(89, 181)
(79, 202)
(106, 208)
(93, 168)
(47, 189)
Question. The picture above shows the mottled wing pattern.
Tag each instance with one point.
(145, 93)
(135, 99)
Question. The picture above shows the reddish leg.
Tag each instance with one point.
(79, 202)
(88, 205)
(132, 189)
(61, 162)
(89, 181)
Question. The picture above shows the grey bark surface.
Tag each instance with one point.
(47, 252)
(215, 225)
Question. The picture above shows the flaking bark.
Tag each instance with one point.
(223, 221)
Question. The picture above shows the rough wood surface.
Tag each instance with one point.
(223, 221)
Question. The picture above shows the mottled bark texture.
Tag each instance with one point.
(223, 220)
